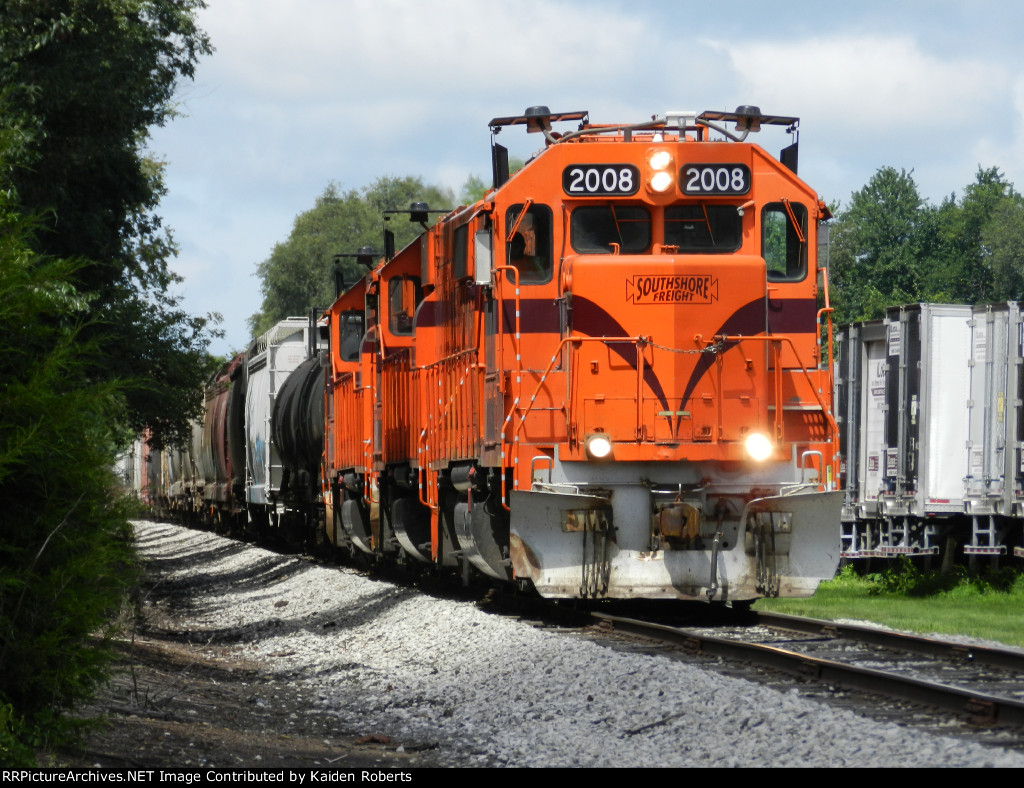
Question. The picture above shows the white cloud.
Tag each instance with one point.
(875, 99)
(869, 78)
(302, 93)
(1006, 149)
(308, 50)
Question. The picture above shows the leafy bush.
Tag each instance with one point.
(848, 577)
(906, 579)
(65, 550)
(91, 335)
(15, 740)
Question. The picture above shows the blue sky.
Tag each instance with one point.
(307, 92)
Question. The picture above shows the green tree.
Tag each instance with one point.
(473, 190)
(878, 246)
(90, 78)
(890, 247)
(962, 270)
(298, 273)
(92, 341)
(475, 187)
(1003, 240)
(65, 555)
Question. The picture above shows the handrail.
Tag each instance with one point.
(439, 369)
(554, 358)
(501, 318)
(515, 404)
(828, 311)
(777, 340)
(518, 346)
(423, 484)
(830, 419)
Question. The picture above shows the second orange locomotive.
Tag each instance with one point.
(604, 379)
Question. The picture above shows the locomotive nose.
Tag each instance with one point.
(655, 369)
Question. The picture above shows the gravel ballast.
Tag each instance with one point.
(482, 690)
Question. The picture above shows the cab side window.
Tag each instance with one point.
(529, 244)
(784, 241)
(461, 252)
(350, 335)
(404, 294)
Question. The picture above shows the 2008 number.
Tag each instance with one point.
(716, 179)
(601, 179)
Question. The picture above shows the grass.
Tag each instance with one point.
(989, 606)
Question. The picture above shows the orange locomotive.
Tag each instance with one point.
(604, 379)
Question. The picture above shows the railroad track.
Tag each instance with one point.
(813, 668)
(981, 684)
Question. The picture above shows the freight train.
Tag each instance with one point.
(610, 377)
(929, 401)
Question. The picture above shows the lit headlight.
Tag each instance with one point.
(599, 446)
(758, 447)
(659, 160)
(659, 165)
(661, 182)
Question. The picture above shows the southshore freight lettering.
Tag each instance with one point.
(693, 288)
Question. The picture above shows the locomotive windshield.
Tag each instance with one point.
(703, 228)
(599, 229)
(627, 229)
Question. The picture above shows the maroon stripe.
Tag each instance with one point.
(792, 315)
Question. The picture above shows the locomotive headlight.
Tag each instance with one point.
(659, 163)
(758, 447)
(659, 160)
(599, 446)
(661, 182)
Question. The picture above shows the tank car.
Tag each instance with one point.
(606, 379)
(178, 481)
(297, 429)
(219, 478)
(141, 471)
(130, 469)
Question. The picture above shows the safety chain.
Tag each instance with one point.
(717, 347)
(762, 526)
(596, 564)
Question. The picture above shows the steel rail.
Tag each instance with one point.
(917, 644)
(977, 704)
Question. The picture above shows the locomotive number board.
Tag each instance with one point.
(715, 179)
(597, 180)
(623, 180)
